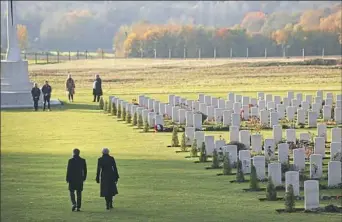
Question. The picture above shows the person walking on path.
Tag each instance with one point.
(35, 96)
(107, 175)
(97, 88)
(47, 90)
(76, 175)
(70, 88)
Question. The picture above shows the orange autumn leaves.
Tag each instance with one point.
(22, 36)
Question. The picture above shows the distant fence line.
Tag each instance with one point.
(57, 56)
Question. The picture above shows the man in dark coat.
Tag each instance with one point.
(46, 90)
(35, 96)
(76, 175)
(108, 174)
(97, 88)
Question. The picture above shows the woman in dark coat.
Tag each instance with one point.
(97, 88)
(108, 175)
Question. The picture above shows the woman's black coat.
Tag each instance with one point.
(107, 175)
(97, 90)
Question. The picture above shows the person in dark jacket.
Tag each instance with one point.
(76, 175)
(70, 88)
(97, 88)
(46, 90)
(35, 95)
(108, 176)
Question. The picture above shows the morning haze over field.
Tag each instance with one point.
(213, 111)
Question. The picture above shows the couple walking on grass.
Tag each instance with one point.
(46, 91)
(107, 175)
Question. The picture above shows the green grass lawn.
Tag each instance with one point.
(156, 184)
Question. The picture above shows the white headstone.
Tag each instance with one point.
(210, 113)
(221, 104)
(311, 194)
(261, 104)
(175, 114)
(281, 111)
(299, 159)
(189, 135)
(304, 137)
(245, 138)
(141, 100)
(316, 166)
(277, 100)
(245, 158)
(283, 152)
(322, 130)
(159, 120)
(264, 116)
(299, 97)
(319, 93)
(195, 106)
(231, 97)
(168, 110)
(214, 102)
(235, 119)
(274, 119)
(274, 171)
(305, 105)
(207, 100)
(245, 100)
(335, 151)
(269, 149)
(277, 133)
(339, 103)
(176, 100)
(203, 108)
(245, 115)
(315, 108)
(336, 135)
(238, 98)
(319, 146)
(189, 105)
(189, 118)
(334, 173)
(227, 117)
(259, 164)
(338, 115)
(162, 108)
(260, 95)
(229, 105)
(156, 106)
(328, 102)
(312, 119)
(144, 114)
(209, 144)
(292, 177)
(295, 103)
(308, 99)
(172, 100)
(290, 135)
(290, 112)
(150, 104)
(286, 102)
(255, 112)
(232, 149)
(233, 133)
(290, 95)
(271, 105)
(198, 121)
(237, 107)
(218, 114)
(269, 98)
(201, 98)
(326, 113)
(256, 140)
(254, 101)
(151, 119)
(219, 144)
(199, 136)
(300, 116)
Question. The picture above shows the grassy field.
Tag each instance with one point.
(156, 184)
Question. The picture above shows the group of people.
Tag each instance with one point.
(107, 175)
(70, 89)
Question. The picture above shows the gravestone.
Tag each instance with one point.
(175, 114)
(269, 98)
(150, 104)
(338, 97)
(292, 177)
(176, 100)
(330, 95)
(207, 100)
(151, 119)
(326, 113)
(189, 119)
(281, 111)
(269, 149)
(304, 137)
(210, 113)
(156, 106)
(300, 116)
(209, 144)
(277, 132)
(260, 95)
(201, 98)
(256, 140)
(255, 112)
(271, 105)
(295, 103)
(329, 102)
(145, 114)
(168, 110)
(229, 105)
(221, 104)
(189, 135)
(133, 109)
(182, 102)
(299, 98)
(238, 98)
(336, 135)
(290, 112)
(159, 120)
(315, 108)
(274, 171)
(283, 152)
(274, 119)
(339, 103)
(203, 108)
(172, 100)
(334, 173)
(319, 146)
(319, 101)
(299, 159)
(290, 95)
(227, 120)
(162, 108)
(264, 116)
(245, 158)
(181, 116)
(286, 102)
(290, 135)
(237, 108)
(245, 100)
(146, 102)
(322, 130)
(338, 115)
(188, 104)
(254, 102)
(335, 151)
(312, 119)
(199, 136)
(305, 106)
(245, 138)
(198, 121)
(231, 97)
(235, 119)
(308, 99)
(311, 194)
(277, 100)
(319, 93)
(261, 104)
(316, 166)
(232, 149)
(141, 100)
(234, 134)
(139, 110)
(259, 163)
(195, 106)
(219, 144)
(218, 114)
(245, 109)
(214, 102)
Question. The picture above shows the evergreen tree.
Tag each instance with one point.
(271, 192)
(119, 111)
(129, 117)
(146, 126)
(175, 141)
(253, 183)
(140, 121)
(109, 106)
(135, 119)
(113, 109)
(194, 148)
(203, 154)
(227, 168)
(101, 103)
(240, 177)
(289, 199)
(124, 114)
(183, 142)
(105, 107)
(216, 163)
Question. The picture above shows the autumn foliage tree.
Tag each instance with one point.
(22, 36)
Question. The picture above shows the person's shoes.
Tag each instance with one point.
(111, 205)
(44, 109)
(73, 208)
(78, 209)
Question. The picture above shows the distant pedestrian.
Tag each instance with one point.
(76, 175)
(46, 90)
(35, 95)
(70, 88)
(97, 88)
(107, 175)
